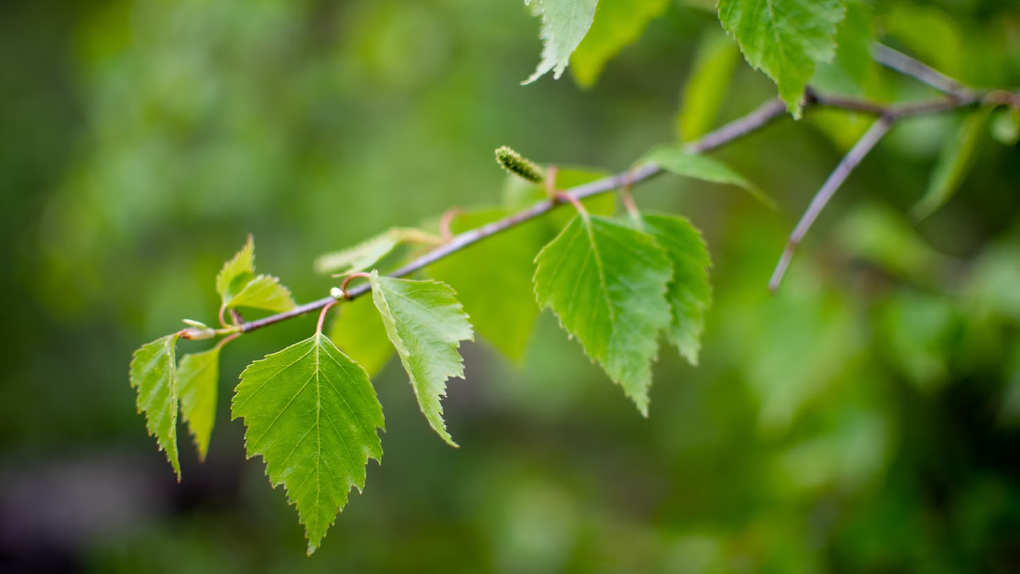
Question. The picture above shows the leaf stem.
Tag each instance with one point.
(322, 316)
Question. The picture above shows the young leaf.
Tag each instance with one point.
(713, 67)
(564, 25)
(153, 375)
(504, 316)
(264, 292)
(237, 272)
(689, 292)
(784, 38)
(697, 166)
(198, 378)
(955, 162)
(426, 324)
(369, 252)
(312, 414)
(607, 284)
(239, 287)
(617, 24)
(359, 332)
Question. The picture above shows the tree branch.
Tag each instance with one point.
(821, 199)
(727, 134)
(918, 70)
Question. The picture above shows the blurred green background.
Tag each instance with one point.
(865, 419)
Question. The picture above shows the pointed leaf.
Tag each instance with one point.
(689, 291)
(198, 377)
(617, 24)
(359, 332)
(564, 25)
(312, 414)
(369, 252)
(426, 324)
(955, 162)
(713, 67)
(504, 315)
(697, 166)
(784, 39)
(607, 284)
(237, 272)
(153, 375)
(264, 292)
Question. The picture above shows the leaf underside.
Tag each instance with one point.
(564, 25)
(153, 375)
(198, 377)
(426, 324)
(607, 284)
(312, 414)
(696, 166)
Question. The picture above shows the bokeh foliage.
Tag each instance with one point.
(864, 419)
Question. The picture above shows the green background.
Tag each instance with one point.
(864, 419)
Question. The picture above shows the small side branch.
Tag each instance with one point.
(918, 70)
(861, 149)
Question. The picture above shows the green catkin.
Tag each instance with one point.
(518, 165)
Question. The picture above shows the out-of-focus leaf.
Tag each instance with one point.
(198, 377)
(883, 237)
(312, 414)
(359, 333)
(992, 288)
(426, 324)
(914, 331)
(493, 279)
(154, 376)
(564, 25)
(706, 86)
(955, 162)
(617, 24)
(784, 39)
(1006, 126)
(930, 33)
(689, 291)
(697, 166)
(369, 252)
(607, 283)
(852, 70)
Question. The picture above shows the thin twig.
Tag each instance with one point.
(821, 199)
(918, 70)
(726, 134)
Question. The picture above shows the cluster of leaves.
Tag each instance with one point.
(617, 285)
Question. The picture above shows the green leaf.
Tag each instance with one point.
(784, 39)
(955, 162)
(312, 414)
(369, 252)
(504, 315)
(1006, 126)
(703, 94)
(198, 377)
(689, 291)
(239, 287)
(617, 24)
(264, 292)
(153, 375)
(607, 284)
(696, 166)
(359, 332)
(237, 272)
(426, 324)
(564, 25)
(930, 33)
